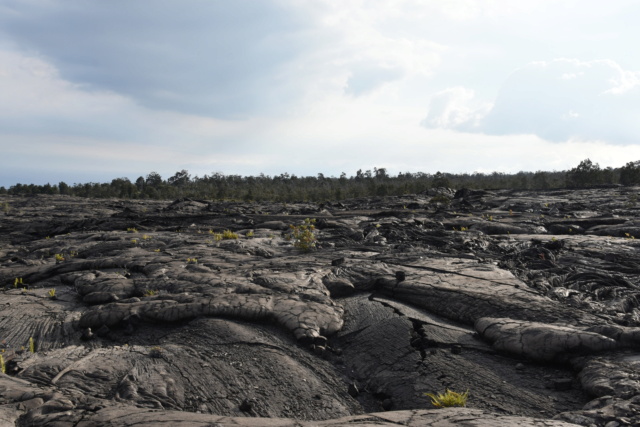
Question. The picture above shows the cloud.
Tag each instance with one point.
(456, 108)
(569, 99)
(559, 100)
(219, 58)
(367, 78)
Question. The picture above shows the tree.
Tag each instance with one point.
(154, 179)
(140, 183)
(122, 187)
(380, 173)
(540, 181)
(64, 188)
(440, 180)
(180, 179)
(585, 174)
(630, 173)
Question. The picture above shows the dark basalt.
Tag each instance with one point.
(529, 300)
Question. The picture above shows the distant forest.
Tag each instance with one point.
(291, 188)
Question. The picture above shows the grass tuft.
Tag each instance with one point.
(448, 399)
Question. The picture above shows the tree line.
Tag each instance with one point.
(291, 188)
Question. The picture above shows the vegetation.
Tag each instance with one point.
(291, 188)
(52, 293)
(303, 236)
(228, 234)
(32, 345)
(3, 367)
(448, 398)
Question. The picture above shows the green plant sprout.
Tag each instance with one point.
(132, 230)
(448, 399)
(3, 367)
(250, 234)
(192, 260)
(59, 257)
(32, 345)
(52, 293)
(17, 281)
(150, 292)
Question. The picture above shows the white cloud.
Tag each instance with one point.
(456, 108)
(559, 100)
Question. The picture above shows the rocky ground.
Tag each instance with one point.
(126, 313)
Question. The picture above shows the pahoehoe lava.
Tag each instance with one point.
(139, 312)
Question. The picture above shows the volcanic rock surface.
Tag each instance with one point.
(130, 312)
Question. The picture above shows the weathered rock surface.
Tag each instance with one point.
(127, 313)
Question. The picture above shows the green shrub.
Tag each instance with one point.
(228, 234)
(303, 236)
(448, 398)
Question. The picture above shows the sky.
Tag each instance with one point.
(92, 91)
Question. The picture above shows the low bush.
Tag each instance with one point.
(303, 236)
